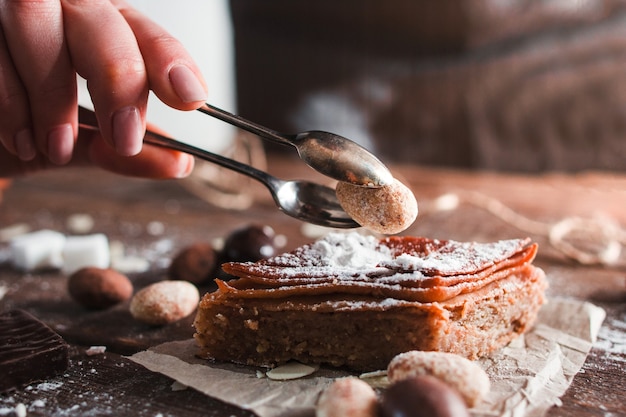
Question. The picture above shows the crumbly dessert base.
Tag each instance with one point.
(364, 332)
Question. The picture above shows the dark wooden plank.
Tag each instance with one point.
(111, 385)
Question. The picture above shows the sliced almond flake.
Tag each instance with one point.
(177, 386)
(291, 370)
(376, 379)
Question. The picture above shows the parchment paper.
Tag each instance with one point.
(527, 377)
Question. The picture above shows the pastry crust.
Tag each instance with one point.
(355, 301)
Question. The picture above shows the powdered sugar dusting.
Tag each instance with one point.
(454, 256)
(356, 257)
(350, 250)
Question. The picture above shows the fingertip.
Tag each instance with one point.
(127, 131)
(186, 164)
(60, 144)
(25, 145)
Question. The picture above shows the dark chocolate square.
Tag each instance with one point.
(29, 350)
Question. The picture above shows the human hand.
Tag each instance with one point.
(122, 55)
(91, 150)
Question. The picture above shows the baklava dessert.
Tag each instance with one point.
(356, 301)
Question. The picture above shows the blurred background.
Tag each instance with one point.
(510, 85)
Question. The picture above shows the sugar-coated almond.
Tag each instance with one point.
(348, 397)
(164, 302)
(388, 209)
(463, 375)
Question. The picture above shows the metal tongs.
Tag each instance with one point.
(330, 154)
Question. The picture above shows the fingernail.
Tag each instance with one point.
(127, 131)
(186, 84)
(61, 144)
(25, 145)
(186, 168)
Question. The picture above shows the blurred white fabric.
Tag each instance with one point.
(205, 29)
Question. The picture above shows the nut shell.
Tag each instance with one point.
(99, 288)
(164, 302)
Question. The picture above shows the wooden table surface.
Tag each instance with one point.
(156, 219)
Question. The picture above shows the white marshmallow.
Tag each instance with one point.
(10, 232)
(37, 250)
(83, 251)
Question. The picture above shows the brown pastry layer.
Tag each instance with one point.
(423, 294)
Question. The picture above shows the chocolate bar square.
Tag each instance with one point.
(29, 350)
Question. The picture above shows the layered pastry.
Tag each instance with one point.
(356, 301)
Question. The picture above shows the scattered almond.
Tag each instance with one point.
(291, 370)
(99, 288)
(348, 397)
(164, 302)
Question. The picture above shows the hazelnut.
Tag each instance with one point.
(348, 397)
(422, 396)
(98, 288)
(388, 209)
(195, 263)
(469, 379)
(164, 302)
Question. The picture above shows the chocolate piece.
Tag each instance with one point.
(196, 263)
(29, 350)
(99, 288)
(250, 244)
(422, 396)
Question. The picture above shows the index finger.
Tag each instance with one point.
(173, 75)
(105, 52)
